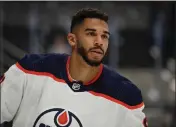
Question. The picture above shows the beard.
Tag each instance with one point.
(84, 54)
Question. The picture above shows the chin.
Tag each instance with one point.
(94, 62)
(95, 58)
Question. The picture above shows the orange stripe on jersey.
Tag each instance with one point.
(67, 68)
(117, 101)
(39, 73)
(89, 82)
(96, 77)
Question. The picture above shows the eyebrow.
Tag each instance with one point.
(90, 29)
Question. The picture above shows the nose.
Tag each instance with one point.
(98, 40)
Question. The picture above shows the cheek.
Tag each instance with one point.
(83, 45)
(87, 44)
(105, 46)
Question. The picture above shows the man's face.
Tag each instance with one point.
(92, 40)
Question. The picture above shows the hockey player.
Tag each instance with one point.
(77, 90)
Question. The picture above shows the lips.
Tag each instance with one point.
(97, 51)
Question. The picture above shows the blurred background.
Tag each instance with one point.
(142, 46)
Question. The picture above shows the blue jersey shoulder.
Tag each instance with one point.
(50, 63)
(120, 88)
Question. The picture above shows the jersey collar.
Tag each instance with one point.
(87, 83)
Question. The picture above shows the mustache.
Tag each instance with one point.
(97, 47)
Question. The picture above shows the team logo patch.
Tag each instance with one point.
(76, 86)
(2, 78)
(57, 117)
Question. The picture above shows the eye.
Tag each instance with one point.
(91, 34)
(105, 36)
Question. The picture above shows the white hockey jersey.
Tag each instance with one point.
(38, 92)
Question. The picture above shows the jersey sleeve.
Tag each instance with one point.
(138, 112)
(140, 115)
(12, 88)
(136, 117)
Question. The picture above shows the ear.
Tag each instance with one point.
(71, 39)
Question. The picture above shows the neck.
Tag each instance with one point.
(79, 70)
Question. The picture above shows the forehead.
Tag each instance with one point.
(94, 23)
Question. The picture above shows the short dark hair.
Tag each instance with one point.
(79, 17)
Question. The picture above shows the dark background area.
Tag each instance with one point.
(142, 46)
